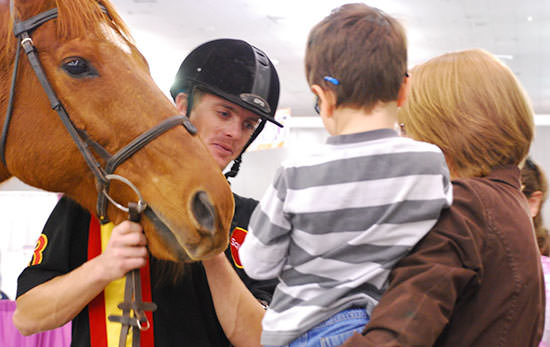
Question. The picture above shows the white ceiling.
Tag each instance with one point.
(516, 31)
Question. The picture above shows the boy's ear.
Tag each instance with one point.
(403, 91)
(181, 103)
(327, 99)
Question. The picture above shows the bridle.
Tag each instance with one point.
(103, 175)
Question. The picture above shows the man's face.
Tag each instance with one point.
(224, 127)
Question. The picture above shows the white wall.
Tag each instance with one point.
(258, 167)
(22, 217)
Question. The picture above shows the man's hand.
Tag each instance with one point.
(125, 251)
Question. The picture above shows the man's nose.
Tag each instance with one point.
(234, 128)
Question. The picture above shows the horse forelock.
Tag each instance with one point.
(76, 18)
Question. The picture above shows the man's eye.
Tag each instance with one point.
(249, 125)
(223, 114)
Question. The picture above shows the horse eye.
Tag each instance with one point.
(78, 67)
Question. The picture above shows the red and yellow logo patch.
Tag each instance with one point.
(37, 255)
(237, 238)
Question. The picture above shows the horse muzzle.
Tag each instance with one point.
(204, 237)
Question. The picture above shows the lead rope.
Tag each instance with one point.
(133, 308)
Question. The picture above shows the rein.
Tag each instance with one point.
(132, 300)
(103, 175)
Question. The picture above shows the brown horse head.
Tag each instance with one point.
(104, 84)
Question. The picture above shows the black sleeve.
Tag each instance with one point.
(60, 248)
(262, 290)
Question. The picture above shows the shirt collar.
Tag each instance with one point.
(509, 174)
(362, 136)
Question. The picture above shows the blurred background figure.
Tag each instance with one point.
(535, 187)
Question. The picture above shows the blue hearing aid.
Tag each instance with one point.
(331, 80)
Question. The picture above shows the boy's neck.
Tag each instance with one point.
(351, 120)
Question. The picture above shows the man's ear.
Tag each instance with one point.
(327, 100)
(181, 103)
(403, 91)
(534, 201)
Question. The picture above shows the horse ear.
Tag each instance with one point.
(181, 103)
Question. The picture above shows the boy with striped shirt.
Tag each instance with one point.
(334, 223)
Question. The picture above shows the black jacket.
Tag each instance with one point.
(185, 314)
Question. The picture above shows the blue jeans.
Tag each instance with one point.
(335, 330)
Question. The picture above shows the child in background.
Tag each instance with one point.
(535, 188)
(334, 223)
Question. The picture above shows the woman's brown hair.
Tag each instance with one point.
(472, 106)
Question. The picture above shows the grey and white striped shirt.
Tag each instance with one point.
(334, 223)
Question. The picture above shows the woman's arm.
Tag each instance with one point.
(420, 300)
(425, 285)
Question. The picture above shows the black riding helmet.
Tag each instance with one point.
(236, 71)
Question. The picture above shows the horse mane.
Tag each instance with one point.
(6, 36)
(76, 18)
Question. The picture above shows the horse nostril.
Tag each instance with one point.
(203, 210)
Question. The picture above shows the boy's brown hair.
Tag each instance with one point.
(472, 106)
(364, 49)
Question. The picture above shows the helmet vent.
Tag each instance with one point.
(262, 59)
(262, 80)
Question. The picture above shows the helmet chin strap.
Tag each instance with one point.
(234, 168)
(189, 103)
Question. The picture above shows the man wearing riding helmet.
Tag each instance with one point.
(241, 80)
(229, 89)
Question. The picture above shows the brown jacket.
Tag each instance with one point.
(474, 280)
